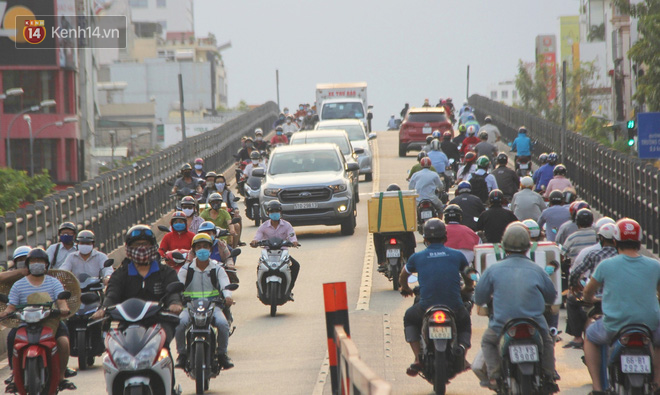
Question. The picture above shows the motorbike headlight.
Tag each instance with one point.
(272, 192)
(200, 318)
(122, 359)
(338, 188)
(146, 357)
(31, 316)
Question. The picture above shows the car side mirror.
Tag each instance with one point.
(163, 228)
(64, 295)
(372, 136)
(352, 166)
(358, 150)
(108, 262)
(259, 172)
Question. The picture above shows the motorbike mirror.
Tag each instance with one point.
(64, 295)
(89, 297)
(170, 183)
(4, 298)
(163, 228)
(237, 199)
(258, 172)
(372, 136)
(108, 262)
(235, 220)
(178, 255)
(235, 252)
(231, 287)
(175, 287)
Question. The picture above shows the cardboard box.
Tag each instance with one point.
(391, 218)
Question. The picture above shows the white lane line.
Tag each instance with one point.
(322, 376)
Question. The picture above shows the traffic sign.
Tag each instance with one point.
(648, 135)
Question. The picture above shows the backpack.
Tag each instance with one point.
(479, 186)
(191, 272)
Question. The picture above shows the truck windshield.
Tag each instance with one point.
(310, 139)
(349, 110)
(304, 162)
(355, 132)
(430, 117)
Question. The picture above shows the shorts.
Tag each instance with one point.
(597, 334)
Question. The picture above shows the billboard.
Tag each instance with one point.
(569, 28)
(14, 48)
(546, 55)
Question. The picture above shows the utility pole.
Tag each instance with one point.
(563, 111)
(467, 88)
(183, 119)
(277, 85)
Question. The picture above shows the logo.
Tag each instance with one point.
(11, 18)
(305, 195)
(34, 31)
(629, 227)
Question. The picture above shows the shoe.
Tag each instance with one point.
(225, 362)
(66, 385)
(414, 369)
(181, 361)
(9, 379)
(70, 373)
(241, 244)
(290, 297)
(11, 388)
(556, 376)
(382, 268)
(572, 344)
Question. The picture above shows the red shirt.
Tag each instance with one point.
(174, 241)
(460, 237)
(469, 143)
(279, 140)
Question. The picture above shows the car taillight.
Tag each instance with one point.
(439, 317)
(521, 331)
(635, 340)
(392, 241)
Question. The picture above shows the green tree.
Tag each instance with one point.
(17, 187)
(242, 106)
(534, 92)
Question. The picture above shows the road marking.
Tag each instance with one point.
(322, 377)
(388, 346)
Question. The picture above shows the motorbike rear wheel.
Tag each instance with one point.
(81, 343)
(199, 368)
(524, 383)
(440, 376)
(395, 276)
(273, 290)
(256, 215)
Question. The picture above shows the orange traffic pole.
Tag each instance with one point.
(336, 313)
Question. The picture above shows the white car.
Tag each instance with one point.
(357, 134)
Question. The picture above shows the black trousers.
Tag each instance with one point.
(408, 246)
(295, 269)
(576, 318)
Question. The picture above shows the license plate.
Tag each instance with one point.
(302, 206)
(426, 214)
(524, 166)
(427, 130)
(636, 364)
(526, 353)
(393, 253)
(440, 332)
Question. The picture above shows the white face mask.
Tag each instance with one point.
(85, 248)
(188, 212)
(198, 167)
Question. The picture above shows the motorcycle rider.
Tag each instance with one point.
(594, 247)
(449, 147)
(482, 182)
(417, 166)
(471, 205)
(471, 140)
(58, 252)
(439, 269)
(391, 124)
(495, 220)
(458, 140)
(427, 183)
(522, 146)
(468, 167)
(17, 269)
(190, 207)
(289, 127)
(438, 159)
(408, 238)
(198, 279)
(559, 181)
(527, 204)
(484, 148)
(186, 180)
(210, 186)
(259, 143)
(279, 138)
(426, 103)
(494, 134)
(630, 282)
(459, 236)
(220, 217)
(37, 280)
(219, 250)
(544, 174)
(275, 226)
(466, 107)
(255, 162)
(568, 227)
(244, 153)
(507, 179)
(518, 288)
(87, 259)
(179, 236)
(404, 112)
(199, 169)
(554, 216)
(280, 120)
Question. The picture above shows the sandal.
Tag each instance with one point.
(414, 369)
(572, 344)
(11, 388)
(66, 385)
(70, 373)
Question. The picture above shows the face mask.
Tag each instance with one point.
(281, 118)
(216, 206)
(188, 211)
(249, 145)
(275, 216)
(288, 122)
(142, 255)
(179, 227)
(20, 265)
(219, 186)
(198, 167)
(66, 239)
(550, 270)
(38, 269)
(474, 276)
(301, 108)
(85, 248)
(278, 133)
(254, 162)
(203, 254)
(259, 138)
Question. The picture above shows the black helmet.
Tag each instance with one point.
(584, 218)
(434, 228)
(453, 213)
(553, 158)
(522, 129)
(185, 167)
(429, 139)
(502, 158)
(255, 155)
(488, 119)
(422, 154)
(393, 187)
(496, 197)
(85, 236)
(37, 253)
(569, 195)
(140, 232)
(559, 170)
(67, 225)
(556, 197)
(543, 158)
(273, 205)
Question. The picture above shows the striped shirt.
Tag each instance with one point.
(589, 264)
(18, 295)
(577, 241)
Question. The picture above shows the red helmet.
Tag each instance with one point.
(577, 206)
(447, 135)
(444, 101)
(425, 162)
(471, 156)
(627, 229)
(178, 215)
(199, 160)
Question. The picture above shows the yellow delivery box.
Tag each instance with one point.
(393, 211)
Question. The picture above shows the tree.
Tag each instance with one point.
(534, 92)
(18, 187)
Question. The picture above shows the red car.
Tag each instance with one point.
(419, 123)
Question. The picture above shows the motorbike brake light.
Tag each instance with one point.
(426, 205)
(635, 340)
(521, 331)
(439, 317)
(392, 241)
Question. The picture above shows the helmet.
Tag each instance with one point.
(258, 132)
(199, 161)
(434, 228)
(21, 252)
(470, 117)
(393, 187)
(496, 196)
(422, 154)
(444, 101)
(449, 99)
(67, 225)
(556, 197)
(201, 238)
(462, 128)
(447, 135)
(483, 135)
(279, 129)
(250, 139)
(488, 119)
(273, 205)
(607, 231)
(502, 158)
(471, 130)
(255, 155)
(178, 215)
(465, 102)
(85, 236)
(603, 221)
(543, 158)
(140, 232)
(435, 145)
(214, 197)
(553, 158)
(483, 162)
(463, 187)
(425, 162)
(453, 213)
(527, 182)
(185, 167)
(533, 227)
(626, 229)
(584, 218)
(436, 134)
(516, 237)
(188, 200)
(210, 174)
(569, 195)
(206, 226)
(559, 170)
(37, 253)
(577, 205)
(470, 156)
(522, 129)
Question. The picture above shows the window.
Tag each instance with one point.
(38, 85)
(514, 95)
(596, 30)
(430, 117)
(139, 3)
(161, 3)
(505, 94)
(343, 144)
(69, 91)
(355, 132)
(348, 110)
(493, 95)
(45, 154)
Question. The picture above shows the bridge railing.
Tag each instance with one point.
(355, 377)
(114, 201)
(616, 184)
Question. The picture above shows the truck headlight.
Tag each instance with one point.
(338, 188)
(272, 192)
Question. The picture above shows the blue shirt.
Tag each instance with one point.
(629, 291)
(553, 217)
(438, 269)
(22, 288)
(543, 176)
(438, 160)
(153, 268)
(522, 145)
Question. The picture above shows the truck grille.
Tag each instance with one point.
(305, 195)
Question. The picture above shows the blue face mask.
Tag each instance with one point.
(179, 227)
(279, 133)
(550, 270)
(275, 216)
(66, 239)
(474, 276)
(203, 254)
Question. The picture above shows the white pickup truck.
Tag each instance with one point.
(343, 101)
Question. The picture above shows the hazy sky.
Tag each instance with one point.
(406, 50)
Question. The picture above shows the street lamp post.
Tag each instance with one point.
(43, 104)
(28, 120)
(112, 147)
(9, 93)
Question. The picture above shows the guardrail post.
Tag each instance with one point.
(336, 313)
(40, 222)
(4, 249)
(31, 225)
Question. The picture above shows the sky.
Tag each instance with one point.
(406, 50)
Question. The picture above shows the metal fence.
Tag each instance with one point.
(616, 184)
(114, 201)
(355, 377)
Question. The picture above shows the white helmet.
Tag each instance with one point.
(533, 226)
(607, 231)
(435, 145)
(465, 102)
(603, 221)
(471, 130)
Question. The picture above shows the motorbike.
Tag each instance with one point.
(425, 210)
(523, 166)
(137, 361)
(274, 273)
(201, 340)
(394, 248)
(36, 363)
(252, 189)
(450, 175)
(240, 179)
(86, 342)
(521, 348)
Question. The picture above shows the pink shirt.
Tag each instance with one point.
(284, 231)
(558, 183)
(460, 237)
